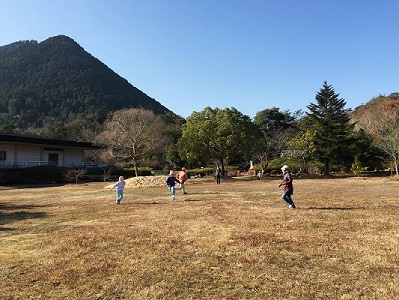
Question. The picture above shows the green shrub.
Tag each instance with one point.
(145, 172)
(34, 175)
(357, 167)
(276, 164)
(43, 174)
(200, 172)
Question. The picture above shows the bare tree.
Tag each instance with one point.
(269, 147)
(74, 174)
(389, 143)
(133, 135)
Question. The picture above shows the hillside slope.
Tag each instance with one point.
(56, 81)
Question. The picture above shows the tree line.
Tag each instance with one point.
(328, 135)
(55, 89)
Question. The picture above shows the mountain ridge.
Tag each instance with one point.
(57, 81)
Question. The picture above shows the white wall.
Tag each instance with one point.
(9, 149)
(27, 153)
(72, 156)
(30, 153)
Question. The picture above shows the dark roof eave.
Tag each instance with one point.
(44, 141)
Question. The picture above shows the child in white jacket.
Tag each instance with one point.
(119, 185)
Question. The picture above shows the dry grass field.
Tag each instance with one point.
(237, 240)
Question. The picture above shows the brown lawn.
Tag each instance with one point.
(237, 240)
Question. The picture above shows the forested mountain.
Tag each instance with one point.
(379, 112)
(56, 82)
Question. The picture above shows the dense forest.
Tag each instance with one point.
(58, 88)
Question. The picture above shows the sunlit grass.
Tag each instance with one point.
(237, 240)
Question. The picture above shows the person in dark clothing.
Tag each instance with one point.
(218, 173)
(288, 186)
(171, 182)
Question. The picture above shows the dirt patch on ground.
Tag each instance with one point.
(150, 181)
(143, 181)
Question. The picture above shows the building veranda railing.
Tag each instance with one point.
(9, 164)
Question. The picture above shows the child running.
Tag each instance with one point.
(119, 185)
(171, 182)
(183, 176)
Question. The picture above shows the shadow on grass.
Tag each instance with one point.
(6, 229)
(30, 186)
(17, 213)
(147, 203)
(336, 208)
(18, 207)
(163, 203)
(192, 200)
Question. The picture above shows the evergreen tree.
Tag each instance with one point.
(330, 121)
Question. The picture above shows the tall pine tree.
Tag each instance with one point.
(330, 120)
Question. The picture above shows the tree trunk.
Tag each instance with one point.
(136, 170)
(222, 163)
(326, 170)
(304, 166)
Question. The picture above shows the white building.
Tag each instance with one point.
(17, 151)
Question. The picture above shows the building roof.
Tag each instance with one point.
(13, 138)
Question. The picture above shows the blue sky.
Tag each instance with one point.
(247, 54)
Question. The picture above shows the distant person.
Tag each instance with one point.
(183, 177)
(171, 181)
(288, 186)
(218, 173)
(259, 175)
(119, 185)
(299, 173)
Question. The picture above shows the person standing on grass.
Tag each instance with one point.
(171, 181)
(218, 173)
(119, 185)
(183, 177)
(288, 186)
